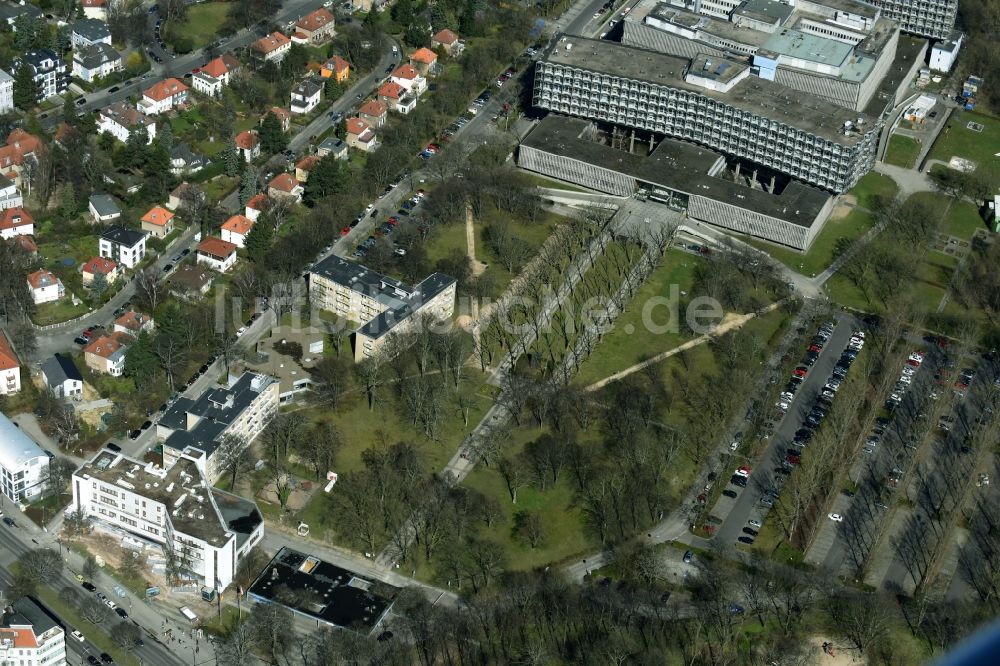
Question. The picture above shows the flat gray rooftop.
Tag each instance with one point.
(678, 166)
(762, 98)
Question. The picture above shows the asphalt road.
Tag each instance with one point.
(291, 9)
(16, 541)
(747, 504)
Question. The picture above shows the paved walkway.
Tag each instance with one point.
(730, 323)
(909, 181)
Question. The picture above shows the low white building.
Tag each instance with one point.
(162, 96)
(410, 78)
(30, 635)
(125, 246)
(88, 31)
(16, 222)
(23, 464)
(217, 254)
(175, 508)
(62, 377)
(945, 53)
(45, 287)
(104, 208)
(306, 96)
(236, 229)
(120, 119)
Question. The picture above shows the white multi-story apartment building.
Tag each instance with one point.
(6, 92)
(710, 101)
(87, 31)
(30, 635)
(205, 429)
(92, 61)
(23, 464)
(383, 305)
(49, 71)
(125, 246)
(121, 119)
(206, 531)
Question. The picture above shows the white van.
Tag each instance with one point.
(186, 612)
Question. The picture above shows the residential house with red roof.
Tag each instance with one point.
(271, 47)
(99, 266)
(16, 222)
(284, 117)
(216, 253)
(424, 60)
(215, 75)
(158, 221)
(447, 40)
(257, 205)
(410, 78)
(304, 167)
(248, 145)
(162, 96)
(396, 97)
(45, 287)
(20, 145)
(336, 67)
(133, 323)
(284, 186)
(317, 27)
(106, 354)
(33, 636)
(374, 112)
(360, 135)
(236, 228)
(10, 367)
(95, 9)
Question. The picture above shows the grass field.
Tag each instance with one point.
(202, 23)
(873, 185)
(958, 140)
(631, 341)
(902, 151)
(543, 181)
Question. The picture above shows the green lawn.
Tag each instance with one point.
(543, 181)
(872, 186)
(631, 341)
(963, 220)
(59, 311)
(202, 23)
(836, 234)
(958, 140)
(902, 151)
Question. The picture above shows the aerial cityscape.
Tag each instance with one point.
(534, 333)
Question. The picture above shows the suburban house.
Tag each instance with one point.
(10, 368)
(396, 97)
(158, 221)
(425, 61)
(20, 146)
(190, 281)
(235, 230)
(382, 304)
(133, 323)
(62, 377)
(284, 186)
(95, 9)
(199, 427)
(248, 145)
(87, 31)
(360, 136)
(304, 167)
(447, 40)
(374, 112)
(16, 222)
(120, 118)
(271, 47)
(93, 61)
(99, 266)
(215, 75)
(162, 96)
(305, 96)
(65, 135)
(173, 508)
(45, 287)
(10, 196)
(284, 117)
(332, 146)
(104, 208)
(184, 160)
(336, 67)
(48, 70)
(106, 354)
(411, 79)
(6, 92)
(217, 254)
(125, 246)
(176, 197)
(317, 27)
(257, 205)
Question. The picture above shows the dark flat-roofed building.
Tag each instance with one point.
(749, 118)
(323, 592)
(380, 303)
(682, 175)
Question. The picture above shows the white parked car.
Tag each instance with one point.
(77, 635)
(836, 517)
(241, 331)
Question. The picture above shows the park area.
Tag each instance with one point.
(200, 27)
(902, 151)
(960, 138)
